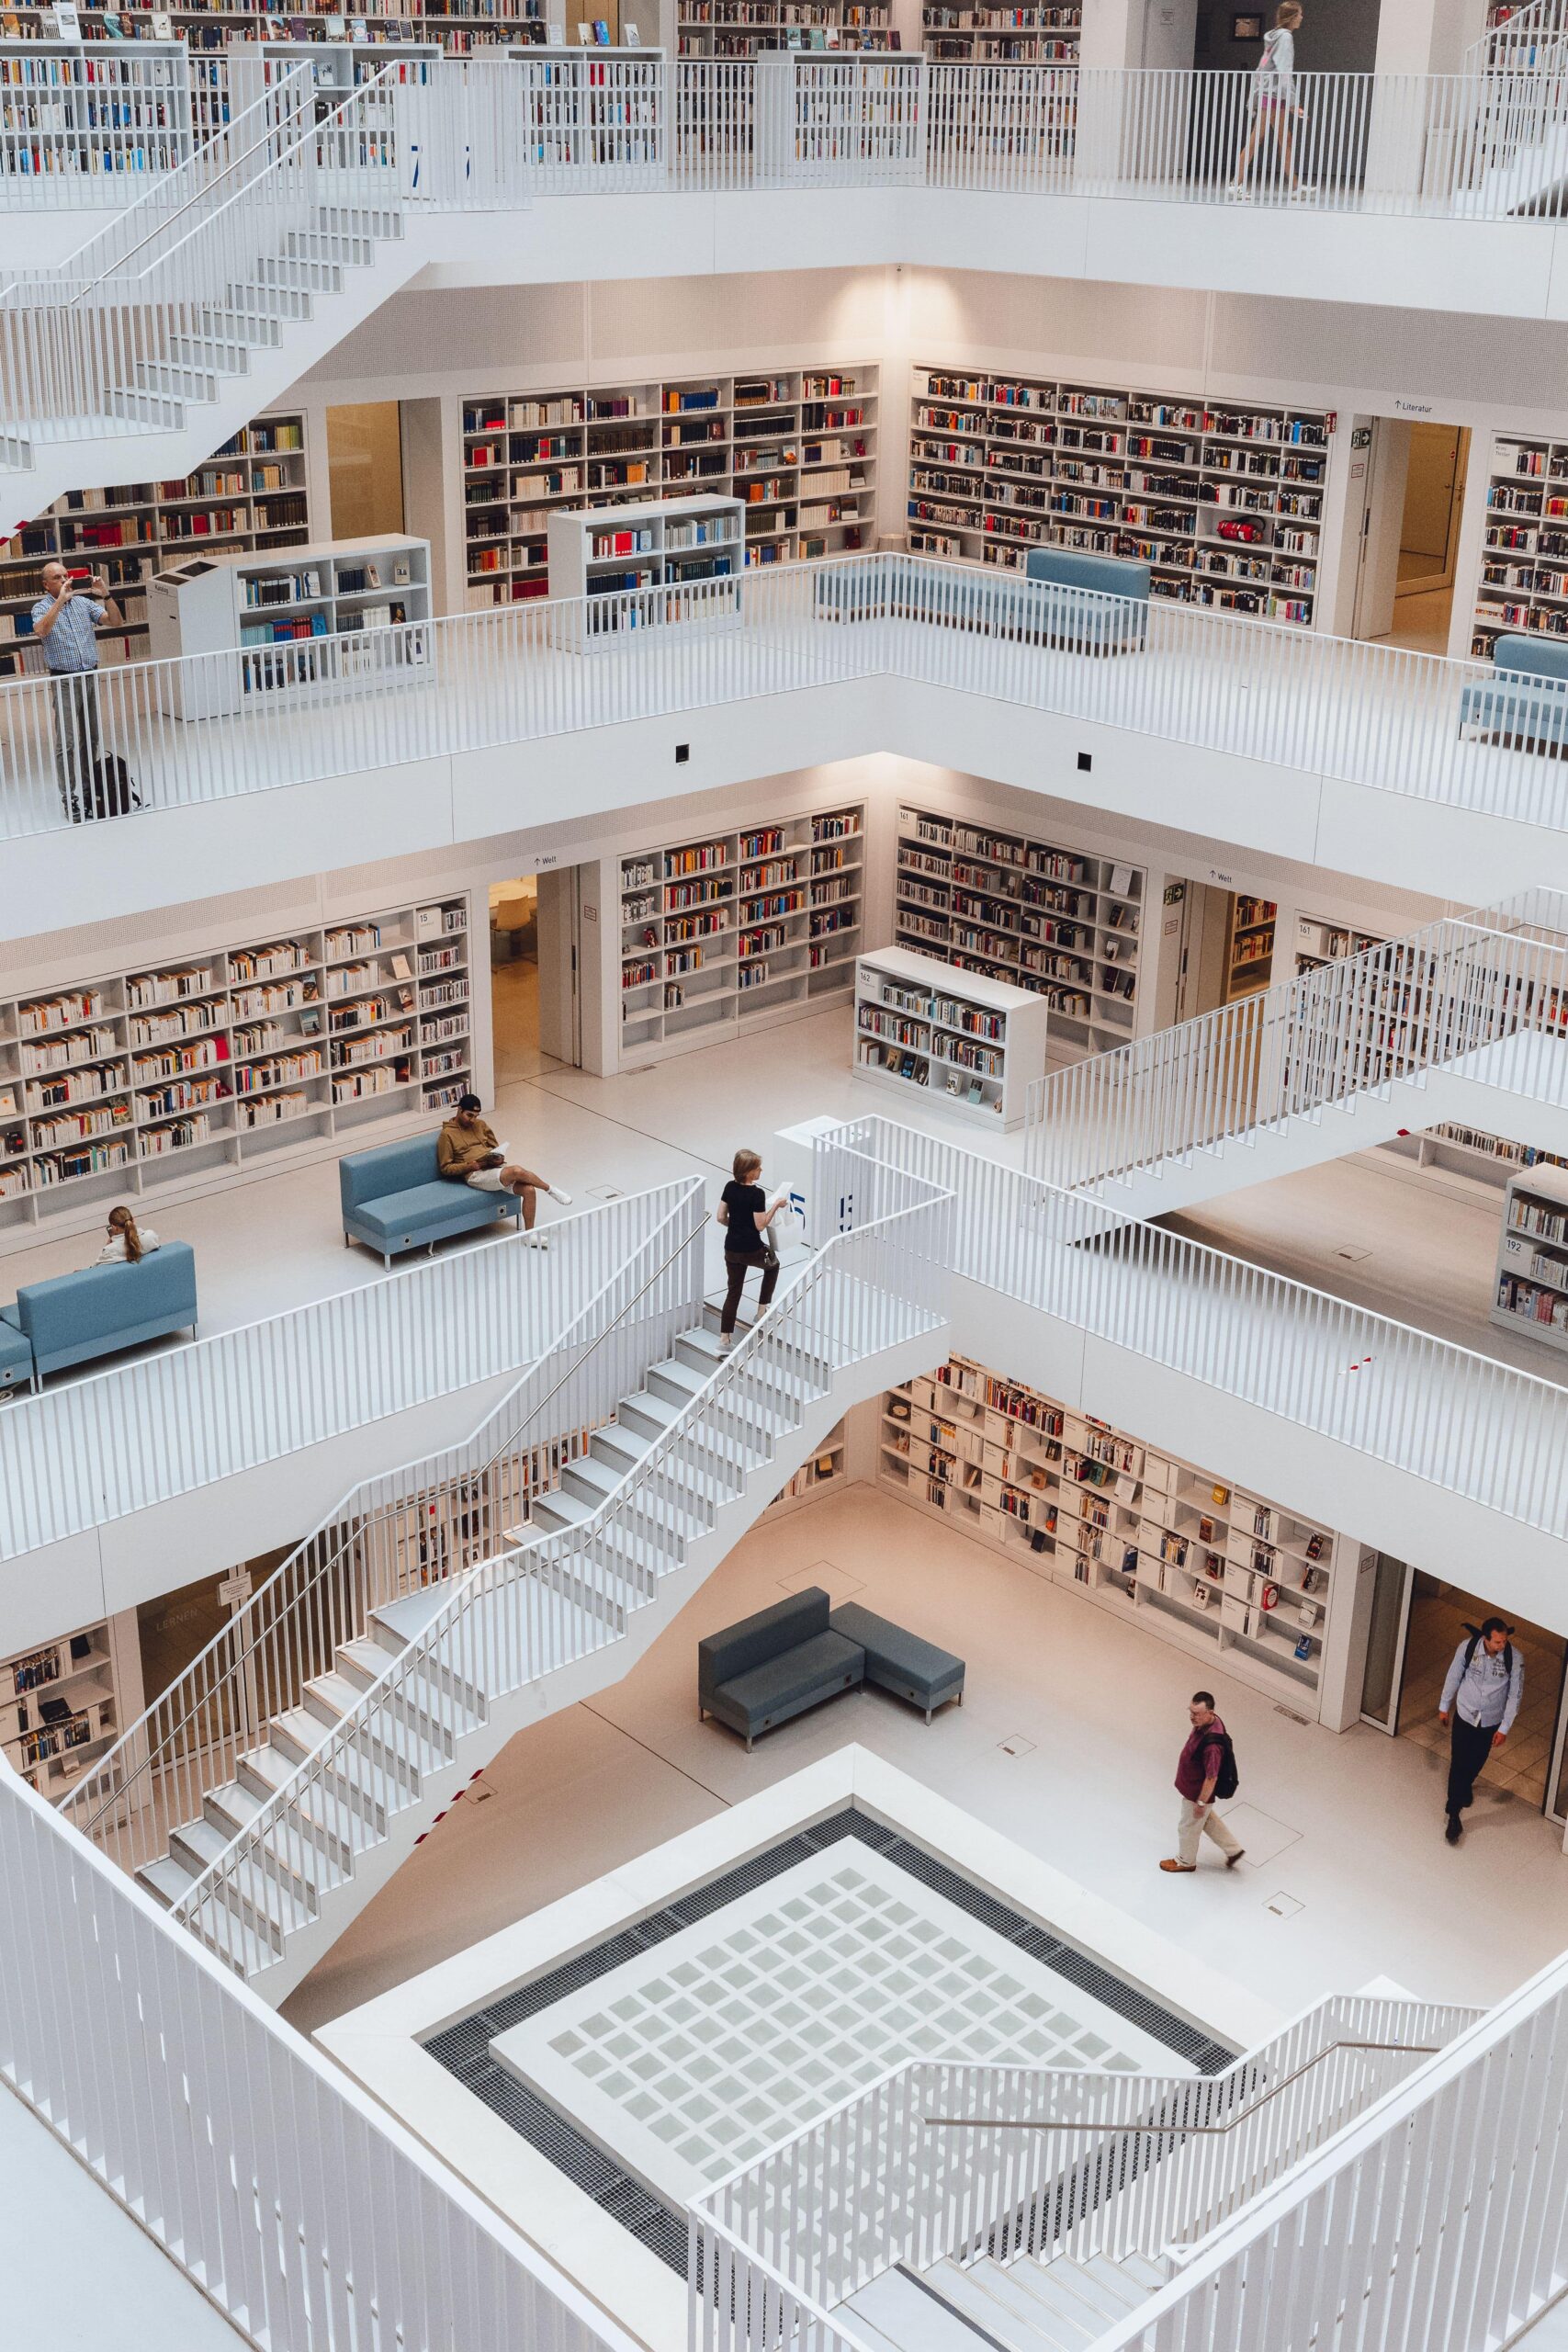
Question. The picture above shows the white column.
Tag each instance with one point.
(1428, 36)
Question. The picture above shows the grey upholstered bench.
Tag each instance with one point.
(899, 1662)
(775, 1666)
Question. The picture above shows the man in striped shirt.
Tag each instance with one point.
(65, 623)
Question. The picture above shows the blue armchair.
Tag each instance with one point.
(77, 1317)
(1524, 704)
(393, 1200)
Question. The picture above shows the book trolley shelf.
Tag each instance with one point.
(1210, 1566)
(969, 1043)
(125, 1083)
(730, 932)
(248, 499)
(1223, 500)
(1054, 920)
(797, 447)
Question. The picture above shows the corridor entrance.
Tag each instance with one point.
(1418, 1624)
(535, 1009)
(1413, 477)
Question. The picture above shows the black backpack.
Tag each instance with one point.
(112, 793)
(1226, 1781)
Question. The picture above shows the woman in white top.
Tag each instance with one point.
(1274, 107)
(128, 1243)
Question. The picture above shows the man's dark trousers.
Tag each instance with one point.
(1469, 1747)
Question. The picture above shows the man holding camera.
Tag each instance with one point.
(65, 623)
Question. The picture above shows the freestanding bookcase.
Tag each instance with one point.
(970, 1043)
(310, 618)
(675, 548)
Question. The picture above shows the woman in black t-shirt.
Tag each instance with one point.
(746, 1213)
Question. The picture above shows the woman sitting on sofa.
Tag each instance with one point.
(128, 1243)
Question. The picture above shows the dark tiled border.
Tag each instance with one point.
(464, 2049)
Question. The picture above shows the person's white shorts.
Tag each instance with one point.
(484, 1180)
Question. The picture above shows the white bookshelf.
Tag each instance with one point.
(125, 1084)
(1524, 557)
(249, 497)
(1059, 923)
(89, 1683)
(114, 112)
(969, 1043)
(751, 28)
(727, 932)
(1320, 940)
(1214, 1568)
(668, 548)
(824, 1473)
(797, 447)
(1224, 500)
(978, 32)
(316, 617)
(1531, 1293)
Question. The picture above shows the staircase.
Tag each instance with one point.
(204, 300)
(276, 1847)
(1464, 1020)
(1061, 2306)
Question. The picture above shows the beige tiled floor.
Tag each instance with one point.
(1354, 1821)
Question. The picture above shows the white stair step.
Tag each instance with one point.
(742, 1421)
(1112, 2277)
(254, 300)
(339, 246)
(331, 1808)
(400, 1735)
(230, 1807)
(196, 1844)
(331, 1696)
(432, 1691)
(364, 1779)
(317, 276)
(1066, 2322)
(981, 2293)
(1143, 2272)
(224, 354)
(1077, 2290)
(908, 2315)
(239, 325)
(180, 381)
(166, 1881)
(145, 408)
(707, 1477)
(396, 1623)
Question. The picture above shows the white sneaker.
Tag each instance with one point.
(557, 1194)
(1303, 187)
(535, 1240)
(1236, 194)
(725, 1341)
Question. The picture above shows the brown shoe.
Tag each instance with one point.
(1232, 1860)
(1179, 1866)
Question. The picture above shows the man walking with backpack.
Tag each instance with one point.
(1206, 1769)
(1484, 1686)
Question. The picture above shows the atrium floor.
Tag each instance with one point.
(1066, 1740)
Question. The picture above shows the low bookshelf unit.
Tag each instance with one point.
(971, 1044)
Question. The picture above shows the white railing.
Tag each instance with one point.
(145, 1432)
(1528, 38)
(89, 127)
(637, 1280)
(940, 2162)
(1393, 721)
(1465, 1423)
(292, 2201)
(1435, 2223)
(541, 1605)
(1483, 996)
(113, 335)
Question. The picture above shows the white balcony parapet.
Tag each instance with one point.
(1377, 716)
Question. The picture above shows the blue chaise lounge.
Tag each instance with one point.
(77, 1317)
(1525, 701)
(393, 1200)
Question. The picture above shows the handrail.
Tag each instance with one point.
(1182, 2131)
(292, 82)
(507, 1568)
(343, 1509)
(306, 138)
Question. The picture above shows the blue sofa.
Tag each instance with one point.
(1065, 598)
(393, 1200)
(773, 1666)
(15, 1356)
(1525, 701)
(77, 1317)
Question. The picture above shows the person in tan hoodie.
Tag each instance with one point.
(468, 1153)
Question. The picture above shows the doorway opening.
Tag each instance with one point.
(365, 469)
(1414, 482)
(1418, 1624)
(1226, 947)
(535, 1010)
